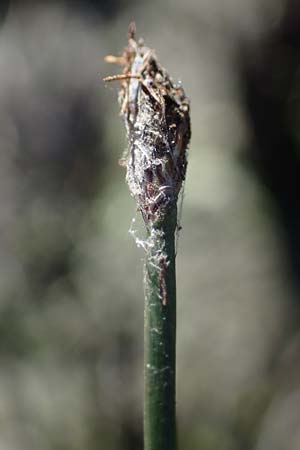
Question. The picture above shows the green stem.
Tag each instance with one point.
(160, 337)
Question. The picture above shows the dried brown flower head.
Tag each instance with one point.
(157, 117)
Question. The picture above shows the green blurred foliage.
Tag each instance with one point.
(71, 294)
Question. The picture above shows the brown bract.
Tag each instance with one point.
(156, 113)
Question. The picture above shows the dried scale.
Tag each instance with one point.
(157, 119)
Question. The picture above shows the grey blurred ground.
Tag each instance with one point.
(71, 295)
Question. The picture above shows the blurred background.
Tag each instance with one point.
(71, 294)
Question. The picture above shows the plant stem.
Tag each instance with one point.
(160, 339)
(156, 114)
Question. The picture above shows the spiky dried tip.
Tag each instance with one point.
(156, 113)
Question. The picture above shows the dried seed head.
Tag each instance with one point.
(156, 114)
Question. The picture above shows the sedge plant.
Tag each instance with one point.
(156, 114)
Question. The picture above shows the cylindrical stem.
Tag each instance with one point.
(160, 337)
(156, 113)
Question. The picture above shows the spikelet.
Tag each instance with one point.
(156, 113)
